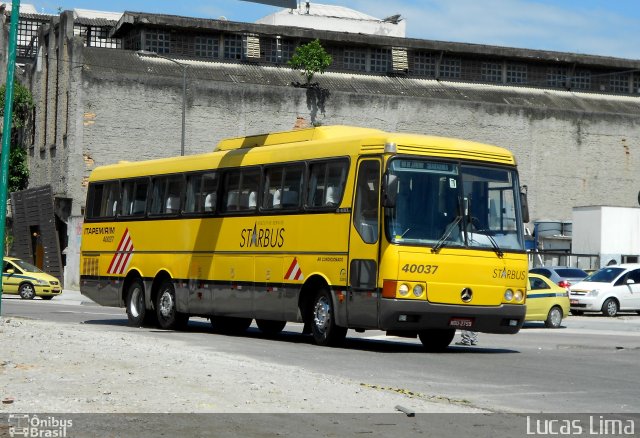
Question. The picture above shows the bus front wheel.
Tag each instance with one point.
(323, 325)
(434, 340)
(168, 316)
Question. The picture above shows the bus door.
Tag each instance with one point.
(364, 238)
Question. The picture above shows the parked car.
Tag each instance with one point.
(20, 277)
(546, 301)
(608, 290)
(563, 276)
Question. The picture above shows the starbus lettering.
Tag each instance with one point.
(262, 237)
(509, 274)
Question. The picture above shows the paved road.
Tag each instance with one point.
(590, 365)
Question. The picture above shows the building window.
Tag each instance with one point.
(491, 72)
(278, 50)
(581, 80)
(27, 36)
(619, 83)
(158, 41)
(516, 74)
(450, 68)
(380, 60)
(96, 36)
(636, 84)
(355, 59)
(233, 47)
(557, 77)
(206, 47)
(424, 64)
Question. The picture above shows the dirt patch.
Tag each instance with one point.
(79, 368)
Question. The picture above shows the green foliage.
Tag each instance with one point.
(311, 58)
(21, 114)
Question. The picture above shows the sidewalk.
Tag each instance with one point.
(67, 296)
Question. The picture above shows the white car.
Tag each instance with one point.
(609, 290)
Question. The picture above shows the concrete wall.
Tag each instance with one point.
(573, 149)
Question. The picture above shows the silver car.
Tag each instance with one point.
(563, 276)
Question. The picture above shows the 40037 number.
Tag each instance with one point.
(420, 269)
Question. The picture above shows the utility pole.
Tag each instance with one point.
(6, 129)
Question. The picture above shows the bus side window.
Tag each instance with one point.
(365, 215)
(111, 196)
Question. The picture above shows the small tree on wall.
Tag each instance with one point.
(22, 108)
(311, 58)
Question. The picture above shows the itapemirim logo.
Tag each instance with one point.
(34, 426)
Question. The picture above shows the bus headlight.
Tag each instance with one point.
(508, 295)
(518, 295)
(403, 290)
(418, 290)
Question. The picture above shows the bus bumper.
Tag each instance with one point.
(413, 316)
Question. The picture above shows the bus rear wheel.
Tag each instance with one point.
(168, 316)
(136, 310)
(323, 325)
(434, 340)
(269, 327)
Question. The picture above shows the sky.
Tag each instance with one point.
(595, 27)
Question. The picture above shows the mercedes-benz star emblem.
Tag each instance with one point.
(466, 295)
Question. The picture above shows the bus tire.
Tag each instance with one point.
(324, 330)
(168, 316)
(136, 310)
(435, 340)
(269, 327)
(230, 325)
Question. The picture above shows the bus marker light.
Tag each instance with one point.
(389, 289)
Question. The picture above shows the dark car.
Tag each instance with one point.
(563, 276)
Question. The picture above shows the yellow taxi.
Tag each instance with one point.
(20, 277)
(546, 301)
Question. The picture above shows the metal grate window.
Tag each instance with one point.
(380, 60)
(158, 41)
(424, 64)
(206, 47)
(96, 36)
(516, 74)
(27, 36)
(233, 47)
(491, 72)
(619, 83)
(557, 77)
(450, 68)
(277, 50)
(581, 80)
(355, 59)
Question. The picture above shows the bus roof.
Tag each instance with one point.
(337, 140)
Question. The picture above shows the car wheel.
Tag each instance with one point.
(610, 307)
(434, 340)
(27, 291)
(168, 316)
(554, 318)
(230, 325)
(269, 327)
(324, 330)
(136, 310)
(577, 312)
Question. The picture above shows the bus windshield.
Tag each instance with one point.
(448, 204)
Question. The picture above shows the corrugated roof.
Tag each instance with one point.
(109, 64)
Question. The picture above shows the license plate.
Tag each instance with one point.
(573, 301)
(461, 322)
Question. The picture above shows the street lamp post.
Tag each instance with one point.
(184, 89)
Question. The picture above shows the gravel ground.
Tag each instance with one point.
(72, 368)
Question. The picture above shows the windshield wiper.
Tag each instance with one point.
(447, 232)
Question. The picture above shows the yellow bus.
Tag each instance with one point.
(336, 227)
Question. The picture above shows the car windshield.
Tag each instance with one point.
(27, 267)
(604, 275)
(455, 205)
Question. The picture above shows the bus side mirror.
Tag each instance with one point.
(525, 204)
(389, 190)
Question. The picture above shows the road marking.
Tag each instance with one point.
(88, 313)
